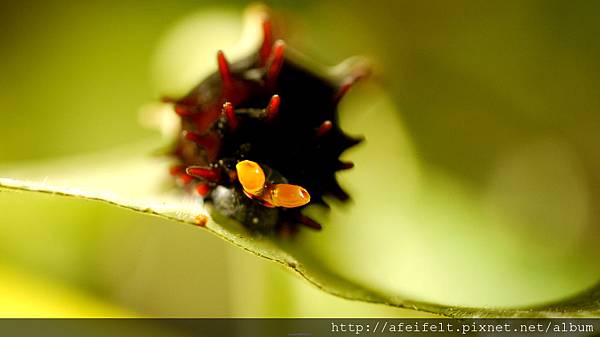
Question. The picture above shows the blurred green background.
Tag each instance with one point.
(498, 101)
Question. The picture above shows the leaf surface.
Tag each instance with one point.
(131, 177)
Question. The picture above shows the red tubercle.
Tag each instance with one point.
(355, 75)
(267, 44)
(210, 142)
(206, 117)
(205, 173)
(224, 70)
(184, 107)
(308, 222)
(203, 189)
(185, 178)
(276, 62)
(343, 89)
(178, 171)
(345, 165)
(168, 99)
(324, 128)
(183, 110)
(337, 191)
(194, 137)
(229, 112)
(273, 108)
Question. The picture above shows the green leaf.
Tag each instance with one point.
(363, 250)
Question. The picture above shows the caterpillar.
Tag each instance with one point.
(260, 138)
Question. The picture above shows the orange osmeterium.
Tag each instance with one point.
(288, 196)
(252, 179)
(251, 176)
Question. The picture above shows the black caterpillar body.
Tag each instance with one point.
(269, 109)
